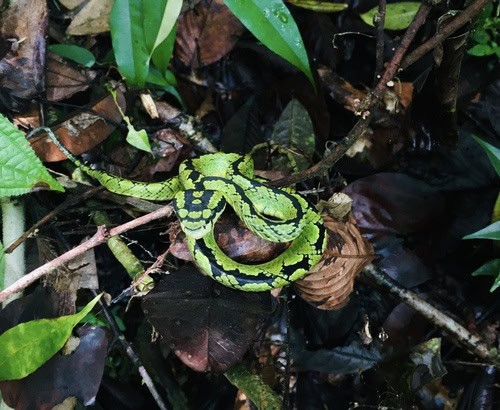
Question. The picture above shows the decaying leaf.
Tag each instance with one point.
(82, 131)
(63, 80)
(206, 33)
(209, 326)
(331, 281)
(91, 19)
(22, 32)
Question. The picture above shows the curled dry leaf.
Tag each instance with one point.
(63, 80)
(206, 33)
(22, 32)
(82, 131)
(331, 281)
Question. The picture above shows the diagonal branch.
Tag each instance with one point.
(100, 237)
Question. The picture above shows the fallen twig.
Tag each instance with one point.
(101, 236)
(471, 342)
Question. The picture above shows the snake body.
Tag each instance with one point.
(200, 193)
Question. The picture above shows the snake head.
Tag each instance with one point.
(198, 211)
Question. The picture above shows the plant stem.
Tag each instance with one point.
(254, 388)
(13, 224)
(379, 21)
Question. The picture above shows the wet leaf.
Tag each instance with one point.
(22, 66)
(206, 33)
(273, 25)
(76, 375)
(209, 326)
(20, 168)
(398, 15)
(492, 152)
(490, 232)
(77, 54)
(319, 6)
(27, 346)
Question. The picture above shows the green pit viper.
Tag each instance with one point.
(200, 193)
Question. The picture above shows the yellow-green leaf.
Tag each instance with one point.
(27, 346)
(398, 16)
(319, 6)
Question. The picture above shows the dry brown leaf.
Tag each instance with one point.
(206, 33)
(22, 29)
(82, 131)
(331, 281)
(91, 19)
(63, 80)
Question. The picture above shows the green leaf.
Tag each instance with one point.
(2, 265)
(492, 152)
(138, 139)
(481, 36)
(27, 346)
(491, 268)
(20, 169)
(319, 6)
(294, 130)
(398, 16)
(77, 54)
(163, 53)
(273, 25)
(158, 25)
(138, 28)
(481, 50)
(490, 232)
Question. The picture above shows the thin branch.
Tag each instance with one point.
(100, 237)
(379, 21)
(471, 342)
(131, 354)
(371, 99)
(463, 18)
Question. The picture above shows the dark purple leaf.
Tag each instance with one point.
(209, 326)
